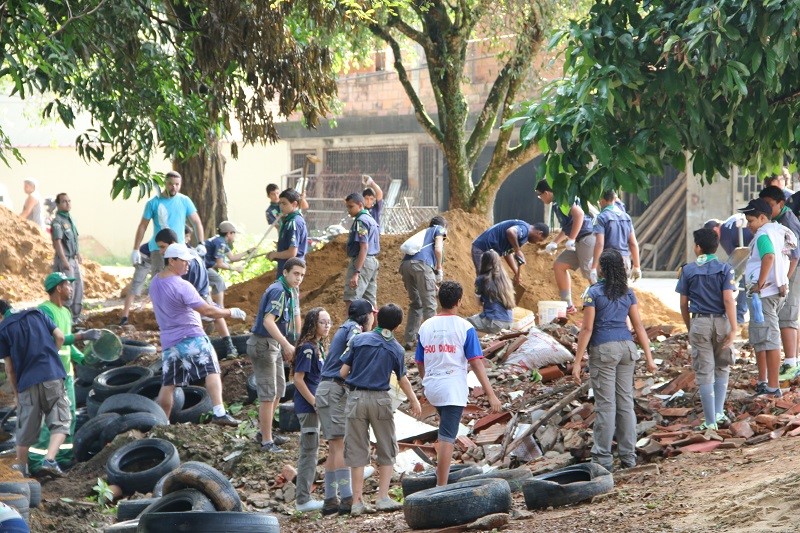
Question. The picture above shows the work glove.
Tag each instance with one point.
(136, 257)
(570, 244)
(551, 248)
(439, 276)
(741, 220)
(636, 274)
(238, 313)
(91, 334)
(593, 276)
(201, 250)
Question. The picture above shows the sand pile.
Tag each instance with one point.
(324, 279)
(26, 255)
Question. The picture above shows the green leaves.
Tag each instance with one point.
(718, 80)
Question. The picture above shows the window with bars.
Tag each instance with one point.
(390, 161)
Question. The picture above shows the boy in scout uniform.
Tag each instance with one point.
(363, 245)
(613, 228)
(709, 312)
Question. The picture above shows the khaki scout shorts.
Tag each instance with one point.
(787, 316)
(581, 257)
(265, 355)
(767, 335)
(706, 335)
(331, 400)
(46, 400)
(364, 409)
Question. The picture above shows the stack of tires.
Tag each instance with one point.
(85, 374)
(191, 497)
(22, 495)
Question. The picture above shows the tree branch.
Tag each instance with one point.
(419, 108)
(76, 17)
(409, 31)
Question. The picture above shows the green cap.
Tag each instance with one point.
(52, 280)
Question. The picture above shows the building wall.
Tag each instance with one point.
(107, 226)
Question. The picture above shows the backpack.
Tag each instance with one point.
(415, 243)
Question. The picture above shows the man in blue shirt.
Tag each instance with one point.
(421, 273)
(373, 199)
(29, 345)
(363, 245)
(292, 232)
(728, 232)
(576, 229)
(366, 368)
(613, 229)
(506, 238)
(170, 209)
(331, 400)
(275, 329)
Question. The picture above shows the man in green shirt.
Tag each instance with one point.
(59, 288)
(67, 256)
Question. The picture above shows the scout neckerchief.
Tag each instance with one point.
(287, 219)
(385, 333)
(702, 259)
(290, 327)
(783, 211)
(65, 214)
(321, 348)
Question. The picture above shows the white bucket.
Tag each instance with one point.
(549, 310)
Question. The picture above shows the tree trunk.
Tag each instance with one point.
(203, 183)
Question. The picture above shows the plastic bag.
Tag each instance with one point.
(414, 243)
(538, 351)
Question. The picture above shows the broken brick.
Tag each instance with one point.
(490, 435)
(702, 447)
(729, 444)
(684, 381)
(550, 373)
(675, 412)
(464, 443)
(741, 429)
(768, 421)
(489, 420)
(651, 448)
(493, 348)
(476, 392)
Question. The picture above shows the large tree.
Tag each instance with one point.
(707, 83)
(171, 76)
(444, 31)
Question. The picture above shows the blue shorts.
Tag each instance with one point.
(190, 360)
(449, 418)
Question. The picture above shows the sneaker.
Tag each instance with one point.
(388, 505)
(769, 393)
(705, 426)
(310, 506)
(330, 506)
(761, 388)
(232, 353)
(723, 420)
(788, 373)
(22, 469)
(361, 508)
(280, 439)
(123, 321)
(51, 467)
(225, 420)
(571, 310)
(271, 447)
(345, 505)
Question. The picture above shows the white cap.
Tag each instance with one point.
(178, 251)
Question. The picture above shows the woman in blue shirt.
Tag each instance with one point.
(612, 359)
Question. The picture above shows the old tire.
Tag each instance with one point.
(459, 503)
(9, 442)
(206, 479)
(81, 392)
(221, 347)
(128, 526)
(427, 480)
(133, 350)
(143, 422)
(81, 417)
(573, 484)
(18, 502)
(87, 373)
(204, 522)
(35, 489)
(515, 477)
(125, 466)
(151, 387)
(20, 487)
(87, 441)
(196, 403)
(127, 403)
(130, 509)
(181, 501)
(119, 380)
(92, 404)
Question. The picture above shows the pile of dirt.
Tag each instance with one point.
(26, 256)
(324, 281)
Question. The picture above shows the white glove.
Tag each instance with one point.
(439, 276)
(741, 220)
(551, 248)
(237, 313)
(570, 244)
(636, 274)
(201, 250)
(136, 257)
(593, 276)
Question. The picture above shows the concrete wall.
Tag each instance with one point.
(112, 224)
(704, 201)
